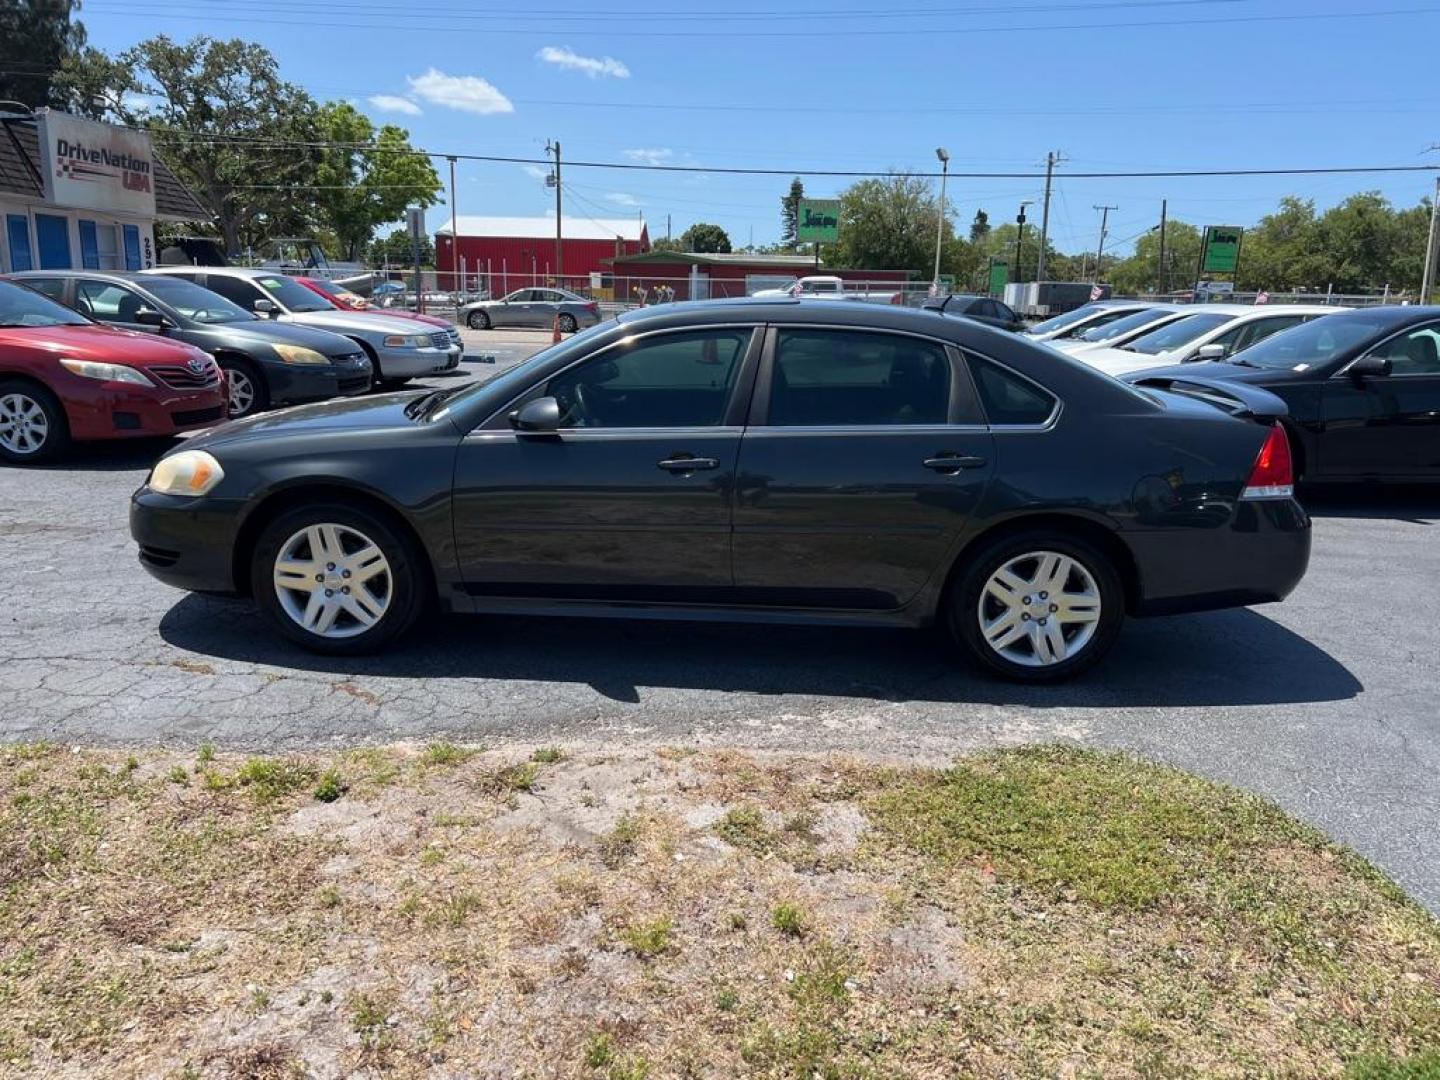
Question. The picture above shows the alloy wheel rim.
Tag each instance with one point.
(242, 392)
(1039, 609)
(24, 427)
(333, 581)
(478, 320)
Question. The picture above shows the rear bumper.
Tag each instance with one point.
(187, 543)
(1257, 557)
(116, 412)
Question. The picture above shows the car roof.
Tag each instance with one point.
(799, 310)
(71, 272)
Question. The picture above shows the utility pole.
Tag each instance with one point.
(1100, 247)
(1020, 235)
(559, 240)
(1052, 159)
(1160, 275)
(667, 226)
(1427, 280)
(454, 234)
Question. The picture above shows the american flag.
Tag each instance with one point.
(1262, 297)
(1096, 292)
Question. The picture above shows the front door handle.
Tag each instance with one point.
(681, 464)
(953, 463)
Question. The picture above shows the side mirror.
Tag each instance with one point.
(1370, 367)
(264, 307)
(150, 317)
(1211, 352)
(540, 415)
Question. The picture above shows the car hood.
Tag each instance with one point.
(270, 332)
(355, 322)
(339, 414)
(1219, 369)
(104, 344)
(1121, 362)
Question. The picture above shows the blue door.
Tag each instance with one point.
(17, 227)
(132, 247)
(52, 236)
(89, 246)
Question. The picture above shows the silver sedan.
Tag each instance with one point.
(533, 307)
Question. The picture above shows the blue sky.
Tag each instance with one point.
(866, 84)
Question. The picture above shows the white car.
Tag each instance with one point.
(1209, 332)
(1073, 323)
(1121, 330)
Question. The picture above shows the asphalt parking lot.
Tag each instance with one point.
(1325, 703)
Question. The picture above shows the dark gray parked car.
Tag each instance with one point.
(533, 307)
(266, 363)
(980, 308)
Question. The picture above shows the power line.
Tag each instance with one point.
(392, 26)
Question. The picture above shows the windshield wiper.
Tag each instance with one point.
(1241, 361)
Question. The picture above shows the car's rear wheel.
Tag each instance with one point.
(32, 423)
(247, 391)
(568, 325)
(478, 320)
(1037, 606)
(338, 578)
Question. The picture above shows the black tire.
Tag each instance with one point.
(259, 398)
(478, 320)
(27, 396)
(963, 611)
(568, 325)
(408, 583)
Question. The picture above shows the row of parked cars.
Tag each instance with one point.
(91, 355)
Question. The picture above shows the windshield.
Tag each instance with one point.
(1070, 318)
(1314, 343)
(520, 376)
(292, 295)
(22, 307)
(1178, 333)
(1136, 319)
(197, 304)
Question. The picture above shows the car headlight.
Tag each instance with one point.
(298, 354)
(405, 341)
(190, 472)
(91, 369)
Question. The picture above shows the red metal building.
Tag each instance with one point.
(505, 253)
(709, 276)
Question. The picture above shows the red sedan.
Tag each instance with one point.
(64, 377)
(351, 302)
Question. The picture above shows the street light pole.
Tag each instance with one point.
(944, 157)
(1427, 279)
(1100, 247)
(1020, 236)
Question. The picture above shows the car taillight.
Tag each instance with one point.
(897, 299)
(593, 307)
(1273, 476)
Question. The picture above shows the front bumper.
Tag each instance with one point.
(119, 411)
(412, 363)
(1258, 556)
(184, 542)
(293, 384)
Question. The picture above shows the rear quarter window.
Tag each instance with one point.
(1007, 398)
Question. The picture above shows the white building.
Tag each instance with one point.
(77, 194)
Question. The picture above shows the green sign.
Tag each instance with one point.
(999, 275)
(947, 281)
(1222, 249)
(818, 221)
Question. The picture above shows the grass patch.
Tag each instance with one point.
(548, 755)
(788, 919)
(650, 938)
(744, 827)
(270, 779)
(447, 755)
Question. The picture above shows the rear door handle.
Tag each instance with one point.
(953, 463)
(688, 464)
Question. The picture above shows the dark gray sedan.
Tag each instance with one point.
(266, 364)
(533, 307)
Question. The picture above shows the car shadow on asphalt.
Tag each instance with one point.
(1219, 658)
(1418, 504)
(128, 455)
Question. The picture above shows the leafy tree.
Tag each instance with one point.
(703, 237)
(36, 36)
(394, 248)
(790, 213)
(979, 226)
(1141, 272)
(889, 224)
(358, 189)
(225, 123)
(999, 244)
(668, 243)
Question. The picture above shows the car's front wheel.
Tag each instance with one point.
(478, 320)
(1038, 606)
(247, 391)
(32, 423)
(337, 578)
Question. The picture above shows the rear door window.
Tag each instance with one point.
(237, 290)
(845, 378)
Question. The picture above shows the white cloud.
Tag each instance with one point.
(620, 198)
(649, 157)
(594, 66)
(394, 103)
(535, 172)
(468, 93)
(136, 102)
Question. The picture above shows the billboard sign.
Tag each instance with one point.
(1222, 249)
(87, 165)
(818, 221)
(999, 277)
